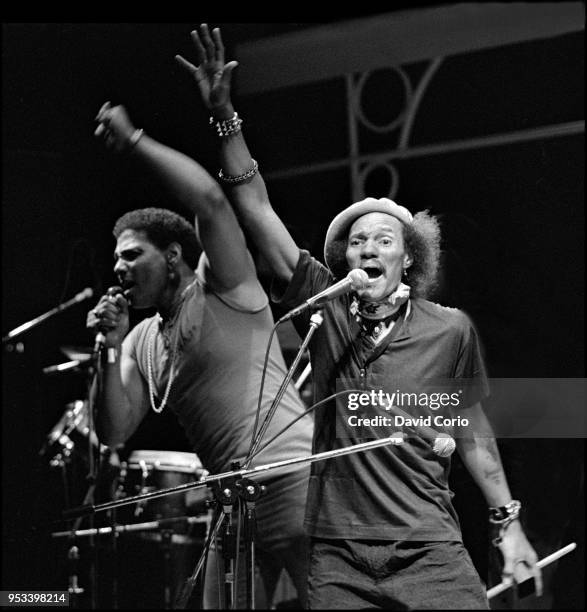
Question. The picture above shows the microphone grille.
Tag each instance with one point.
(115, 290)
(359, 279)
(444, 445)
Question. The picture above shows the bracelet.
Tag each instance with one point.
(507, 513)
(134, 139)
(233, 180)
(503, 517)
(227, 127)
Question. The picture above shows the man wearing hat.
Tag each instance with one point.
(383, 529)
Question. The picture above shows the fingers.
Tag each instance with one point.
(538, 581)
(200, 51)
(528, 564)
(228, 70)
(520, 570)
(187, 65)
(103, 118)
(103, 109)
(107, 312)
(219, 47)
(207, 42)
(507, 574)
(121, 303)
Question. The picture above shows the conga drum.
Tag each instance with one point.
(155, 559)
(152, 470)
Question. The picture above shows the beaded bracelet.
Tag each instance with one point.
(233, 180)
(227, 127)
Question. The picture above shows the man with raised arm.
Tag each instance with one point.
(384, 533)
(202, 355)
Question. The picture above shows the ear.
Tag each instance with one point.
(408, 260)
(173, 253)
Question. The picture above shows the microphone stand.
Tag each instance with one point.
(94, 382)
(80, 297)
(250, 491)
(94, 390)
(226, 496)
(315, 321)
(262, 469)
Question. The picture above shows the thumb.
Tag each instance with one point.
(121, 303)
(227, 73)
(507, 573)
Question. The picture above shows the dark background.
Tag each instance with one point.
(512, 219)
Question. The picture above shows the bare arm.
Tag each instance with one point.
(481, 457)
(192, 187)
(250, 197)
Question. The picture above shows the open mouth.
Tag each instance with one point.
(373, 272)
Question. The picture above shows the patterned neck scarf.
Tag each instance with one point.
(383, 309)
(376, 317)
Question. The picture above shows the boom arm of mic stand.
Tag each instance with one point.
(269, 467)
(86, 293)
(315, 321)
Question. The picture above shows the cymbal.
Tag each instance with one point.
(79, 353)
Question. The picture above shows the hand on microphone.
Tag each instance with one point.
(109, 318)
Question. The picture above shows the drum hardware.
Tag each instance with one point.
(208, 481)
(147, 471)
(72, 423)
(131, 527)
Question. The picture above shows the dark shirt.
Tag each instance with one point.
(393, 492)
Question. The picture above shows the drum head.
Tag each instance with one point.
(175, 461)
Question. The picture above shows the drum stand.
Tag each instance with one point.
(95, 470)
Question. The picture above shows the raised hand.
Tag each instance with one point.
(115, 128)
(211, 74)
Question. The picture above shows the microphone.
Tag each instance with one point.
(443, 445)
(100, 337)
(355, 280)
(81, 296)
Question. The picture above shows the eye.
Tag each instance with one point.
(386, 241)
(354, 242)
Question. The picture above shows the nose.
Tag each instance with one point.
(368, 249)
(118, 266)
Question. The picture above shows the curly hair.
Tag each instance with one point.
(162, 227)
(422, 242)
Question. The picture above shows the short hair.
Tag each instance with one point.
(162, 227)
(421, 241)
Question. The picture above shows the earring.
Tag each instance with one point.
(171, 272)
(405, 274)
